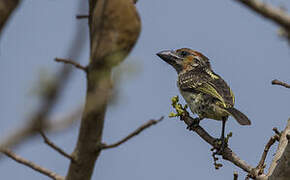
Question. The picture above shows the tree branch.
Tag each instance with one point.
(261, 164)
(75, 64)
(82, 16)
(55, 147)
(227, 154)
(133, 134)
(114, 29)
(280, 167)
(274, 14)
(6, 9)
(30, 164)
(280, 83)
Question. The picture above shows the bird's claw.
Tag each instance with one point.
(221, 144)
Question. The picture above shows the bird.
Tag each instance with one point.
(205, 92)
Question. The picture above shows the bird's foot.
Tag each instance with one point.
(221, 144)
(194, 123)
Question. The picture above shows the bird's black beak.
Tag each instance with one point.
(168, 56)
(171, 58)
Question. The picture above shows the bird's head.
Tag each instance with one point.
(184, 59)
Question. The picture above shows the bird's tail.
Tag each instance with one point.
(239, 116)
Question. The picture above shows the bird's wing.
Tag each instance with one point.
(208, 83)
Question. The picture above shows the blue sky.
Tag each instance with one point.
(243, 48)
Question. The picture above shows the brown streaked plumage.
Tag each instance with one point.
(205, 92)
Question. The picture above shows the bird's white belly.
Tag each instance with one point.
(202, 106)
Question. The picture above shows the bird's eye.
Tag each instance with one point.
(183, 53)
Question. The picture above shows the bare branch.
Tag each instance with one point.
(75, 64)
(261, 164)
(280, 166)
(133, 134)
(276, 15)
(55, 147)
(82, 16)
(31, 165)
(227, 154)
(280, 83)
(236, 175)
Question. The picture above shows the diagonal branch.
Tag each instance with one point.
(133, 134)
(261, 164)
(31, 165)
(280, 83)
(227, 154)
(276, 15)
(55, 147)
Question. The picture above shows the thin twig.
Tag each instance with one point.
(261, 166)
(31, 165)
(75, 64)
(55, 147)
(236, 175)
(274, 14)
(82, 16)
(133, 134)
(277, 82)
